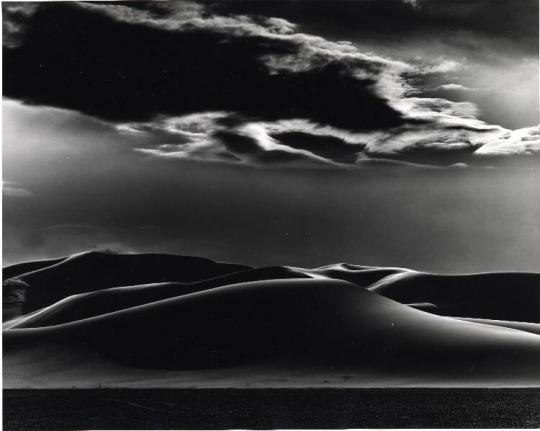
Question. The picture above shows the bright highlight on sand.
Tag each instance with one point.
(112, 320)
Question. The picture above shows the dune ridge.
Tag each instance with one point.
(183, 317)
(513, 296)
(90, 271)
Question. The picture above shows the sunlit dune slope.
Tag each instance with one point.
(294, 320)
(92, 271)
(361, 275)
(500, 296)
(22, 268)
(106, 317)
(104, 301)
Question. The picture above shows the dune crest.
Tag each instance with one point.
(186, 316)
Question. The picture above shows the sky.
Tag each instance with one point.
(386, 133)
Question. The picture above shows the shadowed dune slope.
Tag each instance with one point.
(187, 314)
(499, 296)
(104, 301)
(293, 320)
(23, 268)
(92, 271)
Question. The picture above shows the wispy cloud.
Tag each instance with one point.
(440, 128)
(520, 142)
(454, 87)
(266, 93)
(14, 20)
(303, 142)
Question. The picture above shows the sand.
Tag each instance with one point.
(236, 326)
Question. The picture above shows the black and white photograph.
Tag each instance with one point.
(270, 214)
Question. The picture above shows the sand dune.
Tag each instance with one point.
(76, 307)
(361, 275)
(294, 326)
(86, 272)
(499, 296)
(533, 328)
(23, 268)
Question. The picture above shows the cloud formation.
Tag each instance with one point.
(203, 63)
(15, 17)
(243, 88)
(520, 142)
(453, 87)
(209, 136)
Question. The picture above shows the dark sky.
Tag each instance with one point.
(285, 132)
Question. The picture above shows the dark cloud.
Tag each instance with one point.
(279, 156)
(238, 143)
(513, 20)
(435, 155)
(197, 80)
(329, 147)
(208, 136)
(493, 44)
(247, 146)
(84, 60)
(14, 22)
(260, 85)
(91, 190)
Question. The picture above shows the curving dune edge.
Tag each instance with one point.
(109, 320)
